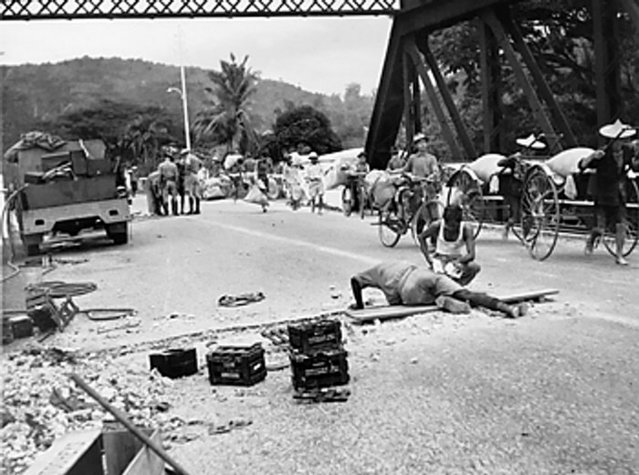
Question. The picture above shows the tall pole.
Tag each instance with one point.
(187, 135)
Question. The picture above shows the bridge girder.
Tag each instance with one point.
(111, 9)
(499, 33)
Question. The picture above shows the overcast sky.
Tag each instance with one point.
(317, 54)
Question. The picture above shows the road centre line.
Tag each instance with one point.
(296, 242)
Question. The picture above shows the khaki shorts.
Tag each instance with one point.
(192, 186)
(169, 188)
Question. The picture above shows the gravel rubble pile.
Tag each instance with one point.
(41, 403)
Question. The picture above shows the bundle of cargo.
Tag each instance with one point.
(318, 359)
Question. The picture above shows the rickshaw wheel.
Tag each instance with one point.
(464, 188)
(424, 216)
(632, 223)
(540, 214)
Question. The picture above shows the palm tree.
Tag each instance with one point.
(143, 138)
(228, 120)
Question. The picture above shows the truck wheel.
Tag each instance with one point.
(119, 232)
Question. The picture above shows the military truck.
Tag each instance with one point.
(64, 187)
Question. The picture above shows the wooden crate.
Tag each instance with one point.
(94, 452)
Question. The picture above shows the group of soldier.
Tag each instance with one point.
(175, 180)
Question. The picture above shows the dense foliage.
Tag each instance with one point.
(306, 126)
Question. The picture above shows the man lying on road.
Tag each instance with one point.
(409, 284)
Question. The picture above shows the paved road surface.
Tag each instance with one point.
(554, 392)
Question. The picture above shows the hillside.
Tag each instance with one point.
(33, 93)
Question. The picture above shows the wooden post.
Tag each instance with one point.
(412, 51)
(538, 77)
(462, 133)
(490, 96)
(535, 104)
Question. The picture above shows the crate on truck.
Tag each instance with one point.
(64, 187)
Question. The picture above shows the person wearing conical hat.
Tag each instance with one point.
(511, 185)
(607, 185)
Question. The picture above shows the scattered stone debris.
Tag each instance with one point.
(41, 403)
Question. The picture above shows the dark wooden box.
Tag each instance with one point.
(175, 363)
(236, 365)
(312, 336)
(320, 369)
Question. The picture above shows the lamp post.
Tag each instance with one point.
(182, 93)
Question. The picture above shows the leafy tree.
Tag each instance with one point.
(228, 120)
(127, 129)
(560, 36)
(309, 126)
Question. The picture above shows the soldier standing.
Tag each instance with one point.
(169, 176)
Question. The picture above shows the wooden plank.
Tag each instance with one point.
(526, 296)
(147, 462)
(75, 453)
(388, 312)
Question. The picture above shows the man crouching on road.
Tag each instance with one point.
(454, 246)
(404, 283)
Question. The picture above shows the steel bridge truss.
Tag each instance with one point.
(78, 9)
(410, 68)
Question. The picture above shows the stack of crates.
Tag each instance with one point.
(318, 359)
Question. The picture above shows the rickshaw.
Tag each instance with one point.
(554, 198)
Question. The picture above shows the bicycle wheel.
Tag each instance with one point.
(425, 214)
(389, 227)
(632, 223)
(540, 214)
(347, 201)
(464, 189)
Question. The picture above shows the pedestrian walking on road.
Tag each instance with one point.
(314, 177)
(608, 184)
(192, 166)
(169, 176)
(404, 283)
(292, 173)
(453, 244)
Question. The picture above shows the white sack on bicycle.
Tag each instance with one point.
(567, 162)
(381, 187)
(486, 166)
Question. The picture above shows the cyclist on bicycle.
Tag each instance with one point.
(355, 172)
(423, 166)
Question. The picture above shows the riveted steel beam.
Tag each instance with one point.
(460, 128)
(490, 90)
(418, 62)
(533, 100)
